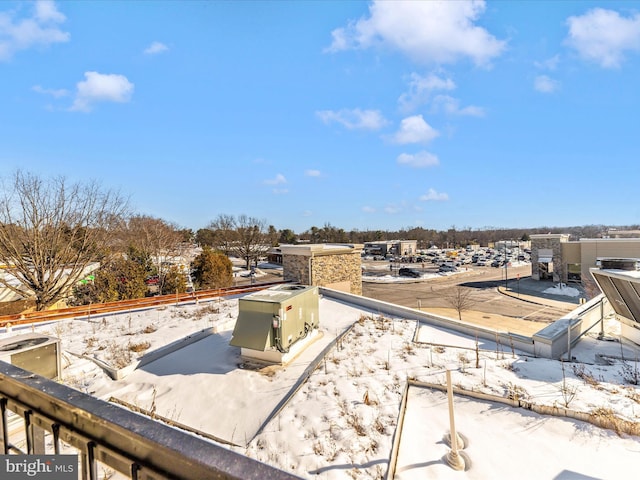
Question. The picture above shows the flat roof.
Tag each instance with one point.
(279, 293)
(321, 249)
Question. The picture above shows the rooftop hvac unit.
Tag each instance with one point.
(275, 318)
(36, 353)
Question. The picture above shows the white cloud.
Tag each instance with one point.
(155, 48)
(544, 84)
(425, 31)
(278, 180)
(603, 36)
(392, 209)
(451, 106)
(421, 88)
(368, 209)
(280, 191)
(434, 196)
(549, 64)
(414, 130)
(419, 160)
(40, 29)
(99, 87)
(307, 213)
(312, 173)
(354, 119)
(55, 93)
(46, 11)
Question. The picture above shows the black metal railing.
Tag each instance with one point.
(50, 416)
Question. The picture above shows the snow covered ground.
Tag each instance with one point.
(341, 422)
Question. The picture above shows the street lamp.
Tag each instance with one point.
(506, 266)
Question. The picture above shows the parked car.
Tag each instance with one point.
(409, 272)
(447, 268)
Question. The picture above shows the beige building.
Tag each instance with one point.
(393, 247)
(334, 266)
(555, 257)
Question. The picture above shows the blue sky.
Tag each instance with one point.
(364, 115)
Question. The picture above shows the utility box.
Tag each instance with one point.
(274, 319)
(36, 353)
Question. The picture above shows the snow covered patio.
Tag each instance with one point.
(208, 386)
(506, 442)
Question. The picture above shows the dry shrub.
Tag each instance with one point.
(633, 395)
(151, 328)
(139, 347)
(408, 348)
(382, 323)
(118, 356)
(379, 426)
(631, 373)
(516, 392)
(206, 310)
(581, 372)
(607, 418)
(367, 400)
(355, 422)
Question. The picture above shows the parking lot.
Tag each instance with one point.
(432, 293)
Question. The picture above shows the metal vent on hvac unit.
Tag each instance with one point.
(36, 353)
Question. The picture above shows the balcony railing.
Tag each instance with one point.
(50, 416)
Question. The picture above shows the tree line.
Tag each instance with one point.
(52, 231)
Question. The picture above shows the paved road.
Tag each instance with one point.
(483, 282)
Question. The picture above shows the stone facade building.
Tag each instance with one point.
(325, 265)
(546, 256)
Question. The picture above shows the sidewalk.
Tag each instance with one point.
(533, 291)
(526, 290)
(538, 299)
(492, 321)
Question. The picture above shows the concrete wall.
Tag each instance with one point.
(553, 340)
(550, 342)
(521, 343)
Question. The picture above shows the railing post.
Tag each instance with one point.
(5, 429)
(55, 430)
(28, 432)
(92, 467)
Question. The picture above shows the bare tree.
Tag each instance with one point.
(224, 231)
(253, 239)
(154, 239)
(460, 299)
(245, 237)
(51, 231)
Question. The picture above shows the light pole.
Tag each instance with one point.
(506, 267)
